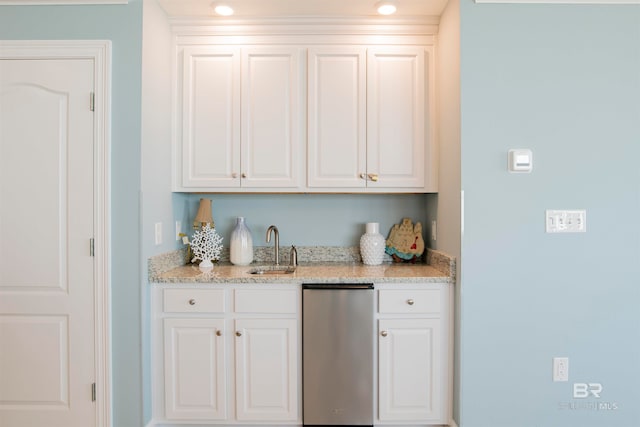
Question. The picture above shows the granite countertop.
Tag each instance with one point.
(308, 273)
(325, 265)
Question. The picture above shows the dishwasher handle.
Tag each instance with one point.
(332, 286)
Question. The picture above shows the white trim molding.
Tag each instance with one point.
(562, 1)
(58, 2)
(100, 52)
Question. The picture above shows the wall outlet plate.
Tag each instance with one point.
(560, 369)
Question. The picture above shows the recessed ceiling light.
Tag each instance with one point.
(386, 8)
(222, 9)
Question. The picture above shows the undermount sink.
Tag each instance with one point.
(274, 269)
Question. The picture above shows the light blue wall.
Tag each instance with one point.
(564, 81)
(122, 25)
(306, 219)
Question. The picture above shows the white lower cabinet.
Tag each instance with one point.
(413, 354)
(195, 369)
(227, 354)
(266, 370)
(409, 370)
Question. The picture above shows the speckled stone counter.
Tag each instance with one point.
(439, 268)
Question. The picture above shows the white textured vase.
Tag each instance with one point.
(241, 244)
(372, 245)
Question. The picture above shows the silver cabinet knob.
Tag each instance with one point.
(384, 333)
(373, 177)
(219, 333)
(192, 302)
(238, 333)
(244, 175)
(234, 175)
(363, 176)
(410, 302)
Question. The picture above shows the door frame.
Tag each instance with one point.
(100, 52)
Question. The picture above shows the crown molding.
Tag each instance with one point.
(320, 26)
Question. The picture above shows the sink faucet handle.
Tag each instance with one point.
(293, 256)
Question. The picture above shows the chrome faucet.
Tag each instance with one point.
(277, 241)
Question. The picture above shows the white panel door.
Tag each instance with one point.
(409, 370)
(195, 369)
(266, 370)
(210, 117)
(272, 146)
(46, 223)
(337, 150)
(396, 117)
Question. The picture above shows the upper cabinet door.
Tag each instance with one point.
(210, 110)
(337, 117)
(396, 117)
(272, 144)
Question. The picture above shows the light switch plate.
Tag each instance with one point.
(566, 221)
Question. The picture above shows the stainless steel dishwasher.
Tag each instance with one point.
(337, 354)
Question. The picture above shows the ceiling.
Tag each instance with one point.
(308, 8)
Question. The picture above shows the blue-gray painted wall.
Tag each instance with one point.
(564, 81)
(306, 219)
(122, 24)
(561, 80)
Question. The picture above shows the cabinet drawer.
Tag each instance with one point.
(194, 300)
(266, 301)
(409, 301)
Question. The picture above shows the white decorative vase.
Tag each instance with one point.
(372, 245)
(241, 244)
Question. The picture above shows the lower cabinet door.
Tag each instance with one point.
(266, 370)
(194, 369)
(409, 383)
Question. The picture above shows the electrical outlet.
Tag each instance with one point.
(178, 230)
(434, 233)
(566, 221)
(561, 369)
(158, 233)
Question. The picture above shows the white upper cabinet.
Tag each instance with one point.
(337, 144)
(329, 108)
(210, 109)
(368, 119)
(241, 119)
(396, 117)
(270, 130)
